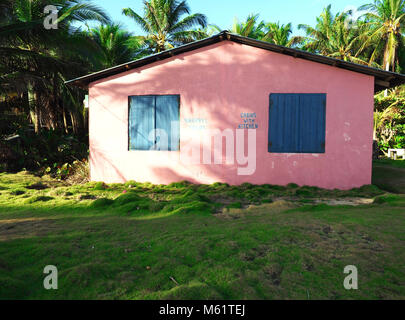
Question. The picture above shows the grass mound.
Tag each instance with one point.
(17, 192)
(38, 199)
(390, 199)
(100, 186)
(101, 203)
(37, 186)
(235, 205)
(180, 185)
(127, 198)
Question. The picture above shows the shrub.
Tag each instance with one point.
(48, 148)
(79, 172)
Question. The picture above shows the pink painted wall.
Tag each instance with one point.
(218, 83)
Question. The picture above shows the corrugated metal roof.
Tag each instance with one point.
(383, 79)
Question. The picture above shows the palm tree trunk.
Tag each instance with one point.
(387, 68)
(74, 124)
(65, 126)
(34, 108)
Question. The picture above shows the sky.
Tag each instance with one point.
(223, 12)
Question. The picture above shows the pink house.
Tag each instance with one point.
(232, 109)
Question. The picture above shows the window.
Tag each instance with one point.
(297, 123)
(154, 123)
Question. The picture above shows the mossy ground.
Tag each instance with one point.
(129, 241)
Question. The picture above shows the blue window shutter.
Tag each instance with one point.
(167, 119)
(312, 114)
(297, 123)
(141, 122)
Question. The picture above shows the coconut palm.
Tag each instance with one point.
(334, 37)
(36, 62)
(116, 45)
(281, 34)
(386, 19)
(251, 27)
(164, 24)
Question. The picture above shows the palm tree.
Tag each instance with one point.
(250, 28)
(386, 19)
(117, 46)
(281, 34)
(164, 24)
(334, 37)
(36, 62)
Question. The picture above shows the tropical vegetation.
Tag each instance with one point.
(36, 62)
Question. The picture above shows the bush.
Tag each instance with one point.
(389, 119)
(79, 172)
(47, 149)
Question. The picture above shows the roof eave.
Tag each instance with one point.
(383, 79)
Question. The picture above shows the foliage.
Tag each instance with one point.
(281, 35)
(165, 26)
(36, 62)
(116, 45)
(252, 27)
(76, 172)
(389, 120)
(264, 31)
(48, 148)
(334, 37)
(385, 21)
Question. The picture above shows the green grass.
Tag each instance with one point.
(389, 175)
(128, 241)
(388, 162)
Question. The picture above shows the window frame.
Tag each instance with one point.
(323, 145)
(128, 120)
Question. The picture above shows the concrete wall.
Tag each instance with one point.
(217, 84)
